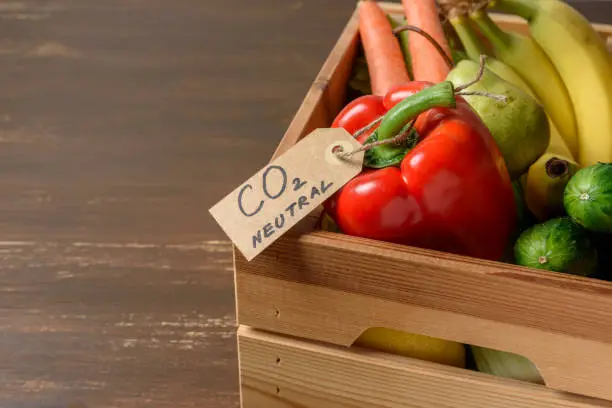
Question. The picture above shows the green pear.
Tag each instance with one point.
(519, 124)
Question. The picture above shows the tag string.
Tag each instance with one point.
(368, 127)
(481, 70)
(339, 150)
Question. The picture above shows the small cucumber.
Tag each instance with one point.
(587, 197)
(558, 245)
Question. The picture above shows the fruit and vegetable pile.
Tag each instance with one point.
(482, 142)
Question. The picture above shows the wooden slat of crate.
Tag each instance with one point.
(282, 372)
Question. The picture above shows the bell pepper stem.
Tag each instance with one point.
(439, 95)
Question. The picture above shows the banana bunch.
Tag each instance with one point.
(565, 65)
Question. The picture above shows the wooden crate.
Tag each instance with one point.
(305, 299)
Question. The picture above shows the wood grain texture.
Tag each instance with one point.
(116, 324)
(121, 123)
(282, 372)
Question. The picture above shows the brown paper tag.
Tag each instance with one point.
(286, 190)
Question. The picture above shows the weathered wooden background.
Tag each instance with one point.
(121, 123)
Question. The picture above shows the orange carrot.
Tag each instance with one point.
(427, 63)
(382, 50)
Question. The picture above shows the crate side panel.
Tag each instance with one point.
(280, 372)
(332, 287)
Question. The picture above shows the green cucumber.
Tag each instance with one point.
(558, 245)
(587, 197)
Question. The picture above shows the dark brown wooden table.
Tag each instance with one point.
(121, 123)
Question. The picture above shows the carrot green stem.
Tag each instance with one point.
(403, 39)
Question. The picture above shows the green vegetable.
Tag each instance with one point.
(458, 51)
(558, 245)
(503, 364)
(403, 40)
(588, 197)
(439, 95)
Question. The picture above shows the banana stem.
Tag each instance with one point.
(556, 167)
(521, 8)
(498, 38)
(474, 47)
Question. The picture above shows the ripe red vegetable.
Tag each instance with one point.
(360, 112)
(400, 92)
(452, 191)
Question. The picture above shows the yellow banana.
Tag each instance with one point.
(529, 61)
(580, 57)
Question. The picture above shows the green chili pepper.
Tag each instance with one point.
(438, 95)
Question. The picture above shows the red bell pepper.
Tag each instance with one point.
(360, 112)
(451, 192)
